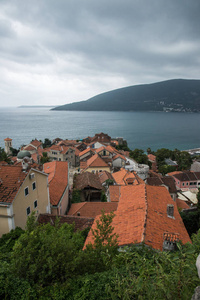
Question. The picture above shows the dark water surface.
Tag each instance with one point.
(140, 129)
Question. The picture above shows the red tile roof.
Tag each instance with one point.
(91, 209)
(105, 175)
(142, 217)
(151, 157)
(58, 179)
(123, 177)
(87, 179)
(7, 139)
(181, 204)
(85, 151)
(80, 223)
(96, 161)
(114, 191)
(11, 179)
(35, 143)
(30, 148)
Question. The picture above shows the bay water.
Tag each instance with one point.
(140, 129)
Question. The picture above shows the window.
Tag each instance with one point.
(170, 210)
(183, 184)
(28, 211)
(34, 185)
(187, 183)
(35, 203)
(26, 191)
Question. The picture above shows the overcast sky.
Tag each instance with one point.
(60, 51)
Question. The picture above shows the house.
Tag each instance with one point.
(125, 177)
(186, 180)
(111, 156)
(146, 214)
(89, 186)
(33, 146)
(58, 180)
(142, 170)
(100, 138)
(22, 190)
(166, 181)
(62, 153)
(94, 164)
(91, 209)
(86, 154)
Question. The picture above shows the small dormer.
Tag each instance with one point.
(170, 210)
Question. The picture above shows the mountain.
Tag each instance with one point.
(170, 95)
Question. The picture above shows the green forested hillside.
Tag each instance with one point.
(175, 95)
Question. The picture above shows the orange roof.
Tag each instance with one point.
(151, 157)
(30, 148)
(7, 139)
(11, 179)
(119, 155)
(114, 191)
(181, 204)
(141, 216)
(35, 143)
(85, 151)
(58, 179)
(96, 161)
(174, 173)
(105, 175)
(124, 177)
(91, 209)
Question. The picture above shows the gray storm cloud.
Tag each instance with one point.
(65, 51)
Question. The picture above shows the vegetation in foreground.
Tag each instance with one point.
(47, 262)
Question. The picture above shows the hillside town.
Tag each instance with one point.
(76, 180)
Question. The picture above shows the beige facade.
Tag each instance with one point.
(33, 195)
(97, 169)
(60, 155)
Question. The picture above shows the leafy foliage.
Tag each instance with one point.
(44, 158)
(47, 262)
(139, 156)
(76, 196)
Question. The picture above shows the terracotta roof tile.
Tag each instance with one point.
(85, 151)
(141, 216)
(11, 179)
(87, 179)
(58, 179)
(96, 161)
(8, 139)
(105, 175)
(114, 191)
(181, 204)
(80, 223)
(166, 180)
(92, 209)
(124, 177)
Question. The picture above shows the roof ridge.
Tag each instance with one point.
(145, 221)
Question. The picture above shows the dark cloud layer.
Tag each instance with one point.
(65, 51)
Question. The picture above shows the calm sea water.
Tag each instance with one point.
(140, 129)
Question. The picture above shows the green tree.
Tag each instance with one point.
(139, 156)
(4, 156)
(46, 254)
(47, 143)
(44, 159)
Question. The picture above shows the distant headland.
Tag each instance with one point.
(176, 95)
